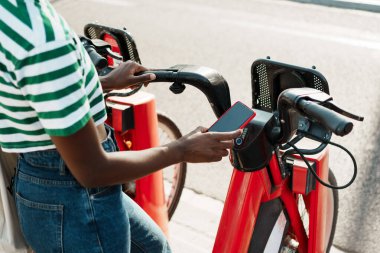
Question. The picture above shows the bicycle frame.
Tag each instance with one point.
(249, 190)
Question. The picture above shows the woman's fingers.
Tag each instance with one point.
(224, 136)
(143, 79)
(227, 144)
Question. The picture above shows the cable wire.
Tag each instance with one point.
(314, 172)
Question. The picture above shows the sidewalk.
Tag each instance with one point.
(364, 5)
(195, 222)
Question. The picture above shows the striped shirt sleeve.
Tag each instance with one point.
(51, 78)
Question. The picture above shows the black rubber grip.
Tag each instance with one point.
(328, 118)
(162, 75)
(98, 60)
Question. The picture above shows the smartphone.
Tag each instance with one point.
(236, 117)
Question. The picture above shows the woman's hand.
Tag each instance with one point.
(124, 76)
(201, 146)
(93, 167)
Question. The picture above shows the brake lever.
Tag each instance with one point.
(332, 106)
(327, 101)
(104, 47)
(113, 55)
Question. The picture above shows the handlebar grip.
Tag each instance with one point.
(162, 75)
(328, 118)
(98, 60)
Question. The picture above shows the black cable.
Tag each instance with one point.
(315, 174)
(306, 151)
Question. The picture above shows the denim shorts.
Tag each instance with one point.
(57, 214)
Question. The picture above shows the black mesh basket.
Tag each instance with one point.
(270, 78)
(124, 39)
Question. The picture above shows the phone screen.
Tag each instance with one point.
(234, 118)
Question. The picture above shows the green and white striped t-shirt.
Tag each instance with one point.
(48, 85)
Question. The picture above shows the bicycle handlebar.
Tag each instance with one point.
(98, 60)
(304, 100)
(316, 106)
(328, 118)
(162, 75)
(207, 80)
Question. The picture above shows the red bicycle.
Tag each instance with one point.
(282, 198)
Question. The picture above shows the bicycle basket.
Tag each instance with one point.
(122, 37)
(270, 78)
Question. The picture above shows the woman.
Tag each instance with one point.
(67, 186)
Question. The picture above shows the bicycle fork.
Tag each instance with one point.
(248, 195)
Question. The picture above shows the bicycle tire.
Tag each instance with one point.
(176, 182)
(334, 214)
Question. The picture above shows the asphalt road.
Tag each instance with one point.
(228, 36)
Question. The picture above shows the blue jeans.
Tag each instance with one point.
(57, 214)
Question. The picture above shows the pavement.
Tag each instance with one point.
(364, 5)
(195, 222)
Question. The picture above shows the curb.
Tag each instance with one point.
(372, 6)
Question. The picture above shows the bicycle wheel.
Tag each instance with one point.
(175, 175)
(332, 213)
